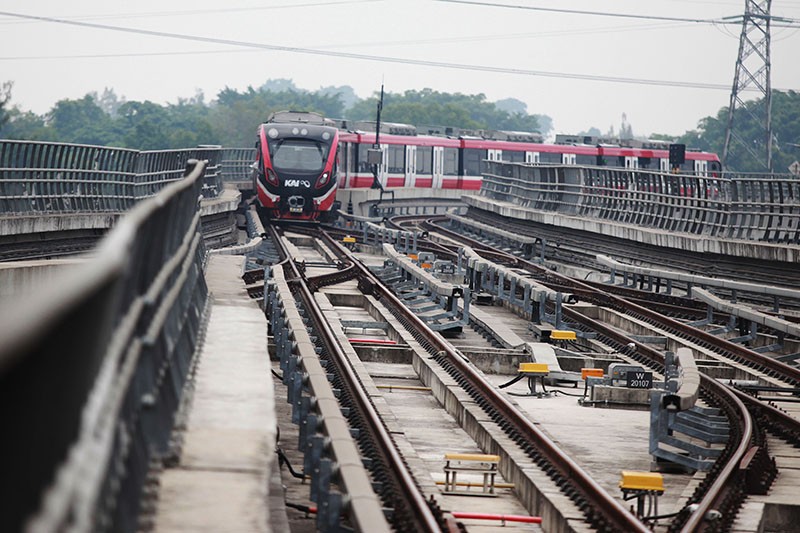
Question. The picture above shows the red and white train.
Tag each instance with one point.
(301, 159)
(455, 162)
(295, 172)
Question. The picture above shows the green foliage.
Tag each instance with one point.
(710, 133)
(236, 115)
(232, 119)
(432, 108)
(5, 98)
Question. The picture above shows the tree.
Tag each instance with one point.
(591, 132)
(109, 102)
(279, 85)
(26, 126)
(432, 108)
(710, 133)
(512, 106)
(346, 94)
(81, 121)
(625, 129)
(5, 98)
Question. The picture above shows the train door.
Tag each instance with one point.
(532, 157)
(383, 172)
(663, 164)
(631, 162)
(701, 167)
(568, 159)
(438, 166)
(346, 167)
(494, 155)
(411, 165)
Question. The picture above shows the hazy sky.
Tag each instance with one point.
(553, 61)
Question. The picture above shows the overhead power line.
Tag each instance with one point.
(223, 10)
(376, 58)
(787, 23)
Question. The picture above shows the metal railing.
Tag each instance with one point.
(39, 178)
(92, 369)
(236, 164)
(730, 206)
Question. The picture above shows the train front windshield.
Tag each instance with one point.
(298, 155)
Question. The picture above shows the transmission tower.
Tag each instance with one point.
(752, 72)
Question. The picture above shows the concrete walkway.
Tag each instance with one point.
(221, 480)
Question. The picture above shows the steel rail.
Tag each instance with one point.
(416, 507)
(608, 513)
(726, 478)
(738, 353)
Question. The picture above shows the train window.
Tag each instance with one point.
(547, 157)
(424, 159)
(513, 156)
(450, 162)
(344, 162)
(473, 161)
(361, 157)
(301, 155)
(397, 158)
(644, 162)
(587, 160)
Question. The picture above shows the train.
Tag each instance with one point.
(455, 160)
(340, 155)
(295, 174)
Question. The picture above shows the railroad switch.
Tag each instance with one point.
(645, 487)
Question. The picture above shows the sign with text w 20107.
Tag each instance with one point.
(640, 380)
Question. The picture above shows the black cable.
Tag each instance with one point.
(557, 391)
(300, 507)
(283, 460)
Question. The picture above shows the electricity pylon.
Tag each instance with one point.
(752, 72)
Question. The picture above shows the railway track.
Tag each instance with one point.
(733, 475)
(409, 510)
(744, 466)
(603, 512)
(581, 247)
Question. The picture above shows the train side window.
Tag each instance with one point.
(473, 161)
(547, 157)
(397, 159)
(514, 156)
(361, 158)
(450, 162)
(424, 159)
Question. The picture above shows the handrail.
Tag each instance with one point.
(38, 178)
(91, 368)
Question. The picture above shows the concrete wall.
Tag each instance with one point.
(18, 279)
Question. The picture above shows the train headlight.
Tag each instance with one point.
(323, 180)
(272, 177)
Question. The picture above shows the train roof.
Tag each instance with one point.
(299, 117)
